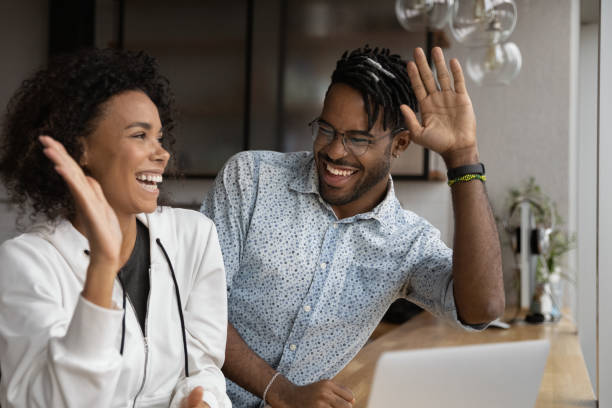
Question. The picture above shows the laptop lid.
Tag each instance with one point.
(501, 375)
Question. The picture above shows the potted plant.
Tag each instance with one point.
(553, 243)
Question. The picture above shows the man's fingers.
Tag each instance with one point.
(415, 81)
(345, 393)
(443, 76)
(341, 403)
(411, 121)
(424, 70)
(458, 76)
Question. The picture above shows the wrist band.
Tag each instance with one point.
(268, 387)
(460, 171)
(466, 178)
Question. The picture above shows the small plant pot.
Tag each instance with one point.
(544, 304)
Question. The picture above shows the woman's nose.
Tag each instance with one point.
(160, 153)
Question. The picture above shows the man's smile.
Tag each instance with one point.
(336, 176)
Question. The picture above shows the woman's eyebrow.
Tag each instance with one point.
(139, 124)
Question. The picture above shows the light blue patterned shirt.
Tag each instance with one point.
(305, 289)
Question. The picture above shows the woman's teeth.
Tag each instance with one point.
(149, 181)
(149, 187)
(155, 178)
(339, 172)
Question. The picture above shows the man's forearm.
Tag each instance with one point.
(243, 366)
(252, 373)
(477, 273)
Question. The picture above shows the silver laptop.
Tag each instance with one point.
(500, 375)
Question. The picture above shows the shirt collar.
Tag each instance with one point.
(307, 182)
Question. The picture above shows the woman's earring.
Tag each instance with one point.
(395, 155)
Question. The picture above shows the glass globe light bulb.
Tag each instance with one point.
(477, 23)
(416, 15)
(496, 64)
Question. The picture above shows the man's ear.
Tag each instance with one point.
(401, 141)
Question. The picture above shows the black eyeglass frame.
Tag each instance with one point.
(349, 146)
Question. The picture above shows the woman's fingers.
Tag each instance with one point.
(65, 165)
(195, 397)
(85, 190)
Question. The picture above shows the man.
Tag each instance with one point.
(317, 246)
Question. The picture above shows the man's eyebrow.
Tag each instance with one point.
(326, 122)
(356, 131)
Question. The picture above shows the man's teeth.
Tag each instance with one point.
(338, 172)
(154, 178)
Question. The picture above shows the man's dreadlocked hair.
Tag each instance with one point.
(382, 80)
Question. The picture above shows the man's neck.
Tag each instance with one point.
(366, 203)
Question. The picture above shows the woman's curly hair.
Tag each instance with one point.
(64, 101)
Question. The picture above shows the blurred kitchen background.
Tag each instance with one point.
(251, 75)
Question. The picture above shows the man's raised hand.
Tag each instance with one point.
(448, 123)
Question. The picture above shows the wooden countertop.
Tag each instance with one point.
(565, 382)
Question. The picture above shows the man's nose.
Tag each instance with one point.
(336, 149)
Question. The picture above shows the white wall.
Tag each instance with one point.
(586, 191)
(604, 221)
(524, 128)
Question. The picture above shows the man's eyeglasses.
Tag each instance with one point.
(354, 141)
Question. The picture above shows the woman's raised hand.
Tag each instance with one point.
(97, 218)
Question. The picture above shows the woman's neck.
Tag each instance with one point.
(129, 230)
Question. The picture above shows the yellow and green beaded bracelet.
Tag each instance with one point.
(467, 177)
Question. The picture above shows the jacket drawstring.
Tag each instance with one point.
(123, 321)
(180, 308)
(178, 300)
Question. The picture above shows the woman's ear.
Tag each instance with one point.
(401, 141)
(85, 156)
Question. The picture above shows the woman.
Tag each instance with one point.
(111, 300)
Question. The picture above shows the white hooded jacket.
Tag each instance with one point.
(59, 350)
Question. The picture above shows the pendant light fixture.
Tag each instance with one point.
(482, 25)
(416, 15)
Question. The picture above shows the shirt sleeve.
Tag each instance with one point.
(430, 281)
(230, 204)
(206, 324)
(49, 350)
